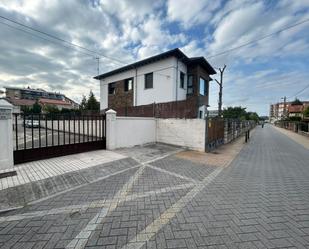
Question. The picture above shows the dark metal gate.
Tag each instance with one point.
(41, 136)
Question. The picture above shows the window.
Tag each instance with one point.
(128, 84)
(182, 80)
(203, 87)
(148, 80)
(111, 88)
(190, 84)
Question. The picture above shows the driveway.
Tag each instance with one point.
(260, 200)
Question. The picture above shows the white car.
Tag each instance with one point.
(32, 123)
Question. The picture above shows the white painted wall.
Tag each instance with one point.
(6, 136)
(164, 83)
(182, 132)
(130, 131)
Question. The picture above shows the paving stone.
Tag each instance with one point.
(259, 201)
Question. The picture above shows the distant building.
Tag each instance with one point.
(20, 97)
(296, 111)
(281, 110)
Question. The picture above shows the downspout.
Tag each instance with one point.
(135, 89)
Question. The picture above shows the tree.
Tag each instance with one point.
(253, 116)
(236, 112)
(92, 103)
(25, 109)
(83, 104)
(239, 112)
(36, 108)
(51, 109)
(296, 102)
(306, 112)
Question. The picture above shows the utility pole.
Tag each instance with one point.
(220, 90)
(284, 107)
(98, 68)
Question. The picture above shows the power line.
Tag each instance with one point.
(62, 40)
(32, 34)
(259, 39)
(300, 91)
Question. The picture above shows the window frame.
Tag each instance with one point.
(126, 84)
(182, 79)
(190, 86)
(146, 87)
(114, 88)
(205, 87)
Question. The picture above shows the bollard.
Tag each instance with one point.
(246, 137)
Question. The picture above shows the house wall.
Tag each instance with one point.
(165, 73)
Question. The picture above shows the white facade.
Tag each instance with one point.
(166, 83)
(6, 134)
(130, 131)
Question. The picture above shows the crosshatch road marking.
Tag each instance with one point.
(93, 204)
(81, 239)
(140, 239)
(174, 174)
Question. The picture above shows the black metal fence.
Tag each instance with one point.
(38, 136)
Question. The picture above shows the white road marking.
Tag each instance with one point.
(81, 239)
(140, 239)
(93, 204)
(174, 174)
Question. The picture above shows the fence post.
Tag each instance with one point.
(111, 129)
(6, 134)
(226, 125)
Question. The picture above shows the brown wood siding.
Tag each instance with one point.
(120, 98)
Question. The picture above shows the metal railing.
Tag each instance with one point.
(56, 132)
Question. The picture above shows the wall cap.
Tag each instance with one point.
(111, 111)
(5, 104)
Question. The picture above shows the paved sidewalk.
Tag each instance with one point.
(43, 169)
(298, 138)
(260, 201)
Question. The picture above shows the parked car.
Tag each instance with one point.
(32, 123)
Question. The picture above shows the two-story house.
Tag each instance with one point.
(170, 79)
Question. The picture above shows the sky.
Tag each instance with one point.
(128, 30)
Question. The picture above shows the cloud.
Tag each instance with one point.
(191, 13)
(130, 30)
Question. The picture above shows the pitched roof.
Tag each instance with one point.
(21, 102)
(53, 102)
(296, 108)
(174, 52)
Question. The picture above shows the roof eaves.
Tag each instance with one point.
(174, 52)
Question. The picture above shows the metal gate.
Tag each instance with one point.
(41, 136)
(215, 136)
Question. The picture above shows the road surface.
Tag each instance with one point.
(261, 200)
